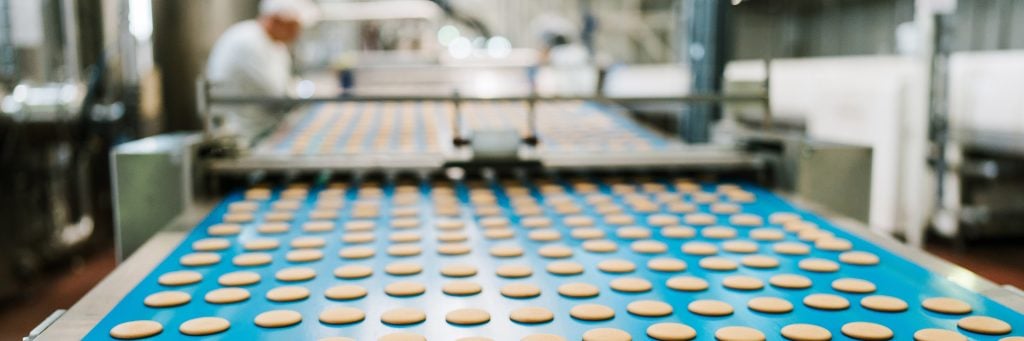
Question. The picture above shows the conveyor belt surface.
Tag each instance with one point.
(543, 218)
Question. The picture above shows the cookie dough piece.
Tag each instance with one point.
(356, 252)
(736, 333)
(252, 259)
(204, 326)
(718, 232)
(833, 244)
(199, 259)
(671, 331)
(686, 283)
(616, 266)
(791, 248)
(935, 334)
(662, 220)
(458, 270)
(514, 271)
(403, 269)
(742, 283)
(592, 312)
(449, 224)
(453, 249)
(531, 315)
(450, 237)
(211, 244)
(226, 295)
(403, 316)
(866, 331)
(520, 290)
(858, 258)
(278, 318)
(883, 303)
(666, 264)
(648, 247)
(606, 334)
(360, 225)
(404, 288)
(404, 237)
(600, 246)
(273, 228)
(710, 308)
(295, 274)
(770, 305)
(760, 262)
(499, 233)
(678, 232)
(633, 232)
(308, 242)
(461, 288)
(318, 226)
(818, 265)
(746, 220)
(136, 329)
(630, 284)
(555, 251)
(697, 248)
(565, 268)
(342, 315)
(806, 332)
(353, 271)
(718, 264)
(165, 299)
(767, 234)
(699, 219)
(984, 325)
(345, 292)
(235, 217)
(649, 308)
(404, 250)
(179, 278)
(740, 246)
(587, 233)
(467, 316)
(724, 208)
(853, 286)
(618, 219)
(578, 290)
(946, 305)
(506, 251)
(826, 302)
(790, 281)
(287, 294)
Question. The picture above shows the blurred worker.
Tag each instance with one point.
(251, 59)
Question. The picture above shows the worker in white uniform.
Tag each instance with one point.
(251, 59)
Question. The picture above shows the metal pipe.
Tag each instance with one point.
(457, 98)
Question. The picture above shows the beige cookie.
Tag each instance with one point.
(531, 315)
(606, 334)
(226, 295)
(678, 232)
(308, 242)
(295, 274)
(165, 299)
(514, 271)
(866, 331)
(791, 248)
(616, 266)
(666, 264)
(686, 283)
(358, 237)
(345, 292)
(671, 331)
(718, 264)
(767, 234)
(592, 312)
(946, 305)
(648, 247)
(740, 282)
(458, 270)
(818, 265)
(833, 244)
(199, 259)
(770, 305)
(718, 232)
(506, 251)
(404, 288)
(356, 252)
(179, 278)
(273, 228)
(204, 326)
(600, 246)
(461, 288)
(935, 334)
(565, 268)
(287, 294)
(404, 250)
(649, 308)
(467, 316)
(853, 285)
(211, 244)
(699, 248)
(353, 271)
(342, 315)
(806, 332)
(252, 259)
(984, 325)
(403, 316)
(759, 262)
(499, 233)
(403, 268)
(578, 290)
(790, 281)
(699, 219)
(883, 303)
(278, 318)
(555, 251)
(826, 302)
(737, 333)
(520, 290)
(708, 307)
(858, 258)
(136, 329)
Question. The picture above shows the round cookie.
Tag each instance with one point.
(345, 292)
(278, 318)
(261, 244)
(853, 286)
(935, 334)
(531, 315)
(226, 295)
(718, 264)
(578, 290)
(403, 269)
(287, 294)
(341, 315)
(649, 308)
(737, 333)
(770, 305)
(252, 259)
(356, 252)
(883, 303)
(295, 274)
(806, 332)
(866, 331)
(616, 266)
(826, 302)
(404, 250)
(404, 288)
(858, 258)
(759, 261)
(678, 232)
(353, 271)
(136, 329)
(565, 268)
(984, 325)
(671, 331)
(592, 312)
(238, 278)
(666, 265)
(204, 326)
(506, 251)
(520, 290)
(514, 271)
(199, 259)
(211, 244)
(600, 246)
(790, 281)
(630, 284)
(710, 308)
(696, 248)
(818, 265)
(648, 247)
(403, 316)
(467, 316)
(165, 299)
(686, 283)
(742, 283)
(791, 248)
(179, 278)
(739, 246)
(461, 288)
(555, 251)
(458, 270)
(946, 305)
(606, 334)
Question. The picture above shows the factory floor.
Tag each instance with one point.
(1000, 260)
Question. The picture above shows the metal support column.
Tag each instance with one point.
(705, 48)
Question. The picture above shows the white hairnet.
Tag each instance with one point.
(305, 11)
